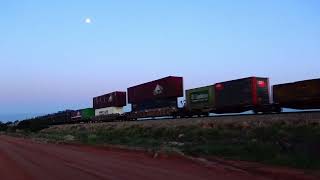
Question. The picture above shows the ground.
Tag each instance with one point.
(27, 159)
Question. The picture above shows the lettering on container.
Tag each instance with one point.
(200, 96)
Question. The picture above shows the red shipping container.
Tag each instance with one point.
(165, 88)
(242, 94)
(114, 99)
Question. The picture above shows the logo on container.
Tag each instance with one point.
(110, 99)
(158, 90)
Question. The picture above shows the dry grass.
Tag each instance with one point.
(286, 139)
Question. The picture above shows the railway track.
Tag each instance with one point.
(238, 115)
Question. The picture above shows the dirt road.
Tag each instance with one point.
(26, 159)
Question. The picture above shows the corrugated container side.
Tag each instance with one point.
(114, 99)
(161, 103)
(298, 95)
(242, 93)
(201, 99)
(108, 111)
(165, 88)
(87, 113)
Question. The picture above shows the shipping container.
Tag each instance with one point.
(83, 114)
(108, 111)
(153, 104)
(114, 99)
(242, 95)
(201, 99)
(87, 113)
(298, 95)
(165, 88)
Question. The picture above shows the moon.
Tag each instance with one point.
(88, 20)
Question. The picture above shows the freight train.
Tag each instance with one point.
(159, 98)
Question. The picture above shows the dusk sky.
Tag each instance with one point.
(57, 55)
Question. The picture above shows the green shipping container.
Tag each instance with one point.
(87, 113)
(201, 99)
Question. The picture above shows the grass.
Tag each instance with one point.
(276, 144)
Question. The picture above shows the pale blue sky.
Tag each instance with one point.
(51, 60)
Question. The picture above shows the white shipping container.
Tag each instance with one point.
(109, 110)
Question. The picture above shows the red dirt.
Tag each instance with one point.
(26, 159)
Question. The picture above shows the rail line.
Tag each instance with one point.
(226, 115)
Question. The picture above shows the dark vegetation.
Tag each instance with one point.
(277, 144)
(8, 126)
(3, 126)
(33, 125)
(25, 126)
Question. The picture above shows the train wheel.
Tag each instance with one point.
(255, 111)
(278, 109)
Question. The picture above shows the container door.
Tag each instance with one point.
(262, 89)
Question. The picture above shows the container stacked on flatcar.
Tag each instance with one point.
(109, 106)
(155, 98)
(83, 115)
(241, 95)
(298, 95)
(234, 96)
(200, 100)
